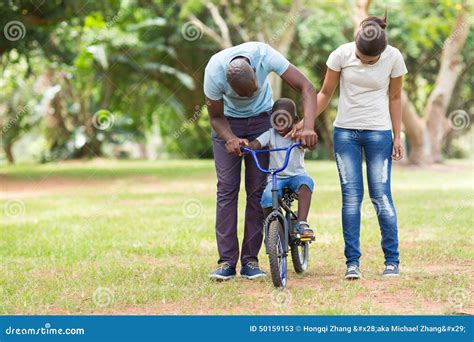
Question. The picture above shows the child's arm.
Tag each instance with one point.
(255, 145)
(263, 140)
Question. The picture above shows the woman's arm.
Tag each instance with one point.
(395, 107)
(331, 81)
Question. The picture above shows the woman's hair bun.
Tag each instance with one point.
(381, 22)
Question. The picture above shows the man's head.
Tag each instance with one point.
(283, 115)
(241, 77)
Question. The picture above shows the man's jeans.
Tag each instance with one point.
(228, 169)
(349, 144)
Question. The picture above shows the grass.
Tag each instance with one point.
(133, 237)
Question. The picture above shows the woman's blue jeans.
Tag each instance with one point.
(376, 146)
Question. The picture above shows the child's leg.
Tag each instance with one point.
(304, 202)
(303, 185)
(266, 212)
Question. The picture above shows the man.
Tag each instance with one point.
(239, 101)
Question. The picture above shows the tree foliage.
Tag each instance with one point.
(90, 77)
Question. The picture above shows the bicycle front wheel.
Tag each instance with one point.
(276, 254)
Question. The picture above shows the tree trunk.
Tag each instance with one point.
(283, 43)
(437, 105)
(415, 129)
(7, 148)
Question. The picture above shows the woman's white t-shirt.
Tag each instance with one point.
(363, 98)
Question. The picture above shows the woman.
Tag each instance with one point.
(369, 72)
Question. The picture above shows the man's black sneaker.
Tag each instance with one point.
(251, 270)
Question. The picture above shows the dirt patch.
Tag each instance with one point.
(14, 188)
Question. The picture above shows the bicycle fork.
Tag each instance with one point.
(276, 215)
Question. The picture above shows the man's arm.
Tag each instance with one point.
(220, 124)
(298, 81)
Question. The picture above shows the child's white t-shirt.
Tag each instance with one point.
(363, 98)
(272, 139)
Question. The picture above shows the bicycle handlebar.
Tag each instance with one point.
(272, 171)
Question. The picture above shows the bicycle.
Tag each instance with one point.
(280, 226)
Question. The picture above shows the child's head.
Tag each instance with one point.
(283, 115)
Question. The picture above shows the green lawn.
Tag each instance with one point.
(124, 237)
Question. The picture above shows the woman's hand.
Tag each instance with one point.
(233, 146)
(397, 149)
(296, 129)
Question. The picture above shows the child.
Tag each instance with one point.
(294, 176)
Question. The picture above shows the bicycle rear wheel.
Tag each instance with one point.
(300, 256)
(276, 254)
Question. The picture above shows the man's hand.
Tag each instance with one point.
(397, 149)
(233, 145)
(308, 137)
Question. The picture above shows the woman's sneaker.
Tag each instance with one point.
(391, 270)
(223, 272)
(251, 270)
(353, 272)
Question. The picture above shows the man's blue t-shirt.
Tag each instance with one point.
(263, 58)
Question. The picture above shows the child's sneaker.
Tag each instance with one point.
(305, 231)
(391, 270)
(353, 272)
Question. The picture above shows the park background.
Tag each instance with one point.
(107, 178)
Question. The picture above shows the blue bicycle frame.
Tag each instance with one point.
(273, 172)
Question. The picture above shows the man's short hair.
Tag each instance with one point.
(240, 73)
